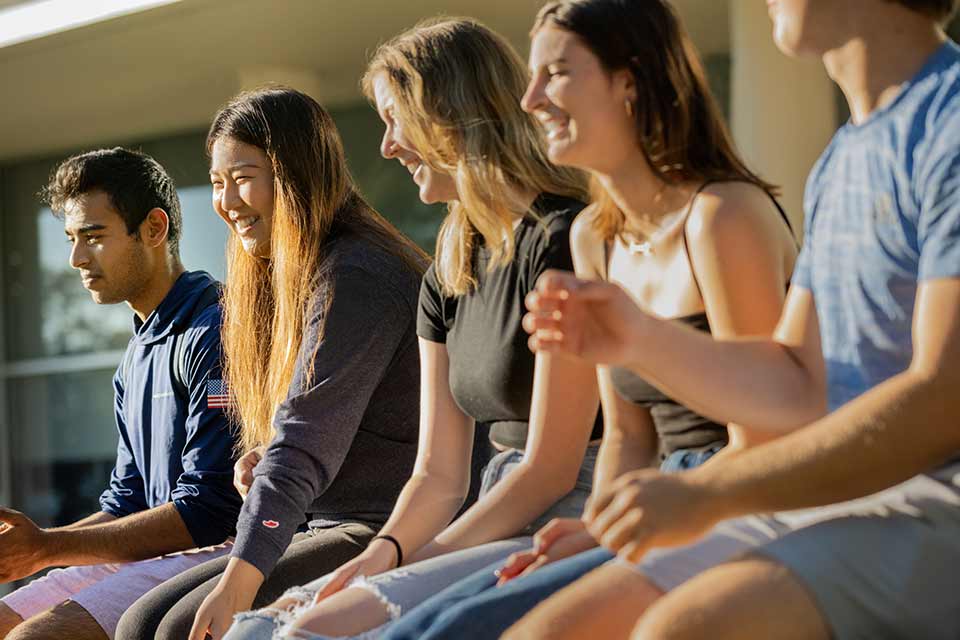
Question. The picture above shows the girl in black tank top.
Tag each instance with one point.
(684, 436)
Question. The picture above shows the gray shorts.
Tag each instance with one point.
(879, 567)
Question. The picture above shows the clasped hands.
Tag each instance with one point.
(641, 510)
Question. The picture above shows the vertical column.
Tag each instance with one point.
(6, 476)
(783, 110)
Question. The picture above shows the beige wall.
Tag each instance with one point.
(783, 110)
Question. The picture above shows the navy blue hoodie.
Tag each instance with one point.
(175, 443)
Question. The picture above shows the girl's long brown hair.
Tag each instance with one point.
(457, 87)
(680, 128)
(267, 301)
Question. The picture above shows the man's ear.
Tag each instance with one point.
(155, 228)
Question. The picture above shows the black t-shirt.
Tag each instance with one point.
(491, 367)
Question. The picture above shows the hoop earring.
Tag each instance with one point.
(628, 106)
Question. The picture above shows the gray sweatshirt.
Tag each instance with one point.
(346, 444)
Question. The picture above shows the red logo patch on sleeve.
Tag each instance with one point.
(271, 524)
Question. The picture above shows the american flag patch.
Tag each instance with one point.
(218, 394)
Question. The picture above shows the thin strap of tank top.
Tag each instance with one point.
(686, 245)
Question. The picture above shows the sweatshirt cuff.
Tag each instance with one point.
(261, 551)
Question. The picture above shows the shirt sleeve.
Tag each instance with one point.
(432, 313)
(552, 250)
(802, 269)
(938, 226)
(125, 494)
(362, 329)
(204, 495)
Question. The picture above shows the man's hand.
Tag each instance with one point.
(558, 539)
(593, 320)
(243, 470)
(23, 546)
(648, 509)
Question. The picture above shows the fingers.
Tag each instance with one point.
(200, 625)
(543, 322)
(515, 565)
(11, 517)
(624, 501)
(553, 282)
(554, 286)
(219, 627)
(553, 531)
(626, 530)
(337, 582)
(535, 565)
(596, 503)
(634, 551)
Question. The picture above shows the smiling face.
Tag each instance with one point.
(435, 186)
(113, 264)
(242, 180)
(581, 106)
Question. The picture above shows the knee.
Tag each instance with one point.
(175, 625)
(134, 624)
(8, 621)
(26, 631)
(665, 622)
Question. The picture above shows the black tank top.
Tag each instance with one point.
(678, 427)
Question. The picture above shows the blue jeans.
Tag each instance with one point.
(404, 588)
(474, 608)
(685, 459)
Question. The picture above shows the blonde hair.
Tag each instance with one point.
(457, 87)
(267, 301)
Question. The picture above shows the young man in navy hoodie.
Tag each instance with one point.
(171, 489)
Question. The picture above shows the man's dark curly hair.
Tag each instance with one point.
(134, 182)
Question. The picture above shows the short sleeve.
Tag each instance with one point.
(552, 251)
(433, 313)
(938, 226)
(802, 269)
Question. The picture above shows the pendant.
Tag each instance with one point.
(642, 248)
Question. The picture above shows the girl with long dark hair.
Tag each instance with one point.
(321, 360)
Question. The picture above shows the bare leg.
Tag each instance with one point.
(66, 620)
(605, 603)
(347, 613)
(8, 620)
(750, 598)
